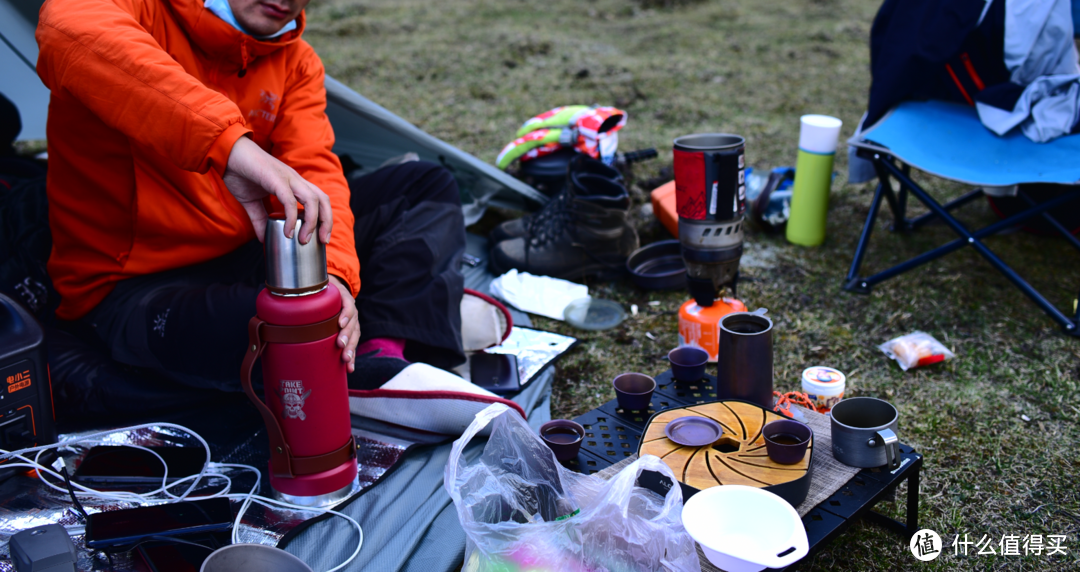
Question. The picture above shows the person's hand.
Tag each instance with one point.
(252, 174)
(349, 323)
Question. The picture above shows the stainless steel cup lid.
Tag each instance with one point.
(293, 269)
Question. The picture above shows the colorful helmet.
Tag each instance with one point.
(589, 130)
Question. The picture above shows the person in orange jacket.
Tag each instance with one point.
(169, 124)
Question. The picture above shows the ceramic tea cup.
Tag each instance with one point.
(634, 390)
(688, 363)
(786, 441)
(563, 437)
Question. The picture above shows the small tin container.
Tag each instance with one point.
(824, 385)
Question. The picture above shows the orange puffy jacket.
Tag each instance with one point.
(148, 97)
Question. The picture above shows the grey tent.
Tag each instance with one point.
(365, 131)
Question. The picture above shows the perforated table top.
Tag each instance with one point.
(612, 434)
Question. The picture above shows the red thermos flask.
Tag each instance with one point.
(306, 411)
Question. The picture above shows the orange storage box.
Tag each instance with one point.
(663, 204)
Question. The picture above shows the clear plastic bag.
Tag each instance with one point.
(916, 350)
(523, 511)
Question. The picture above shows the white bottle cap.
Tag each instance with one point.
(819, 133)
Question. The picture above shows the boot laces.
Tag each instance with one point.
(551, 221)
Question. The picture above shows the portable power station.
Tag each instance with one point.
(26, 407)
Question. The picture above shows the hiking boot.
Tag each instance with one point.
(579, 164)
(582, 231)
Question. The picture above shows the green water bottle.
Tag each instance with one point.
(818, 135)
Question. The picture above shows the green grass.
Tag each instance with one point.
(470, 71)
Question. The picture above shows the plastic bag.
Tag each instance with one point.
(916, 350)
(523, 511)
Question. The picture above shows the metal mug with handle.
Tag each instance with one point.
(864, 433)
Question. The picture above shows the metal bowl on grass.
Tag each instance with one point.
(658, 266)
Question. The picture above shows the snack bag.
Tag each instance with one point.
(915, 350)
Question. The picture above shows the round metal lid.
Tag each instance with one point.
(594, 314)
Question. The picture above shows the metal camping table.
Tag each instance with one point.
(612, 434)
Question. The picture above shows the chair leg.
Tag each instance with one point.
(1069, 237)
(1071, 326)
(921, 220)
(885, 185)
(954, 245)
(900, 221)
(1076, 314)
(853, 282)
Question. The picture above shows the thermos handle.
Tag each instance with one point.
(282, 462)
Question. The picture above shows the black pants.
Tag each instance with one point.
(189, 325)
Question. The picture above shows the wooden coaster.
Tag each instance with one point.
(738, 458)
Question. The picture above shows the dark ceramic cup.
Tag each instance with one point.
(634, 390)
(786, 441)
(688, 363)
(563, 437)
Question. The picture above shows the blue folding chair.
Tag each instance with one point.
(947, 140)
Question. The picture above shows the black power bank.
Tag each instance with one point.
(497, 373)
(126, 527)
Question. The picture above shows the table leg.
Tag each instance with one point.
(913, 502)
(911, 526)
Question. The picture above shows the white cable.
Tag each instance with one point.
(144, 498)
(112, 495)
(267, 502)
(247, 501)
(252, 497)
(119, 495)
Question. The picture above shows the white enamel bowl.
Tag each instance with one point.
(744, 529)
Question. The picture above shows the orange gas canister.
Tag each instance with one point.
(699, 326)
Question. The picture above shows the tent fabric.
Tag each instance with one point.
(370, 134)
(365, 131)
(18, 53)
(478, 278)
(410, 524)
(948, 140)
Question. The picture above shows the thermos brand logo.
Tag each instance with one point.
(293, 396)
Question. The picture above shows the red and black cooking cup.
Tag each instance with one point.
(710, 197)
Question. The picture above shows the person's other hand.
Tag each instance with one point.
(349, 322)
(252, 174)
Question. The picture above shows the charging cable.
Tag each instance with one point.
(209, 470)
(95, 438)
(251, 497)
